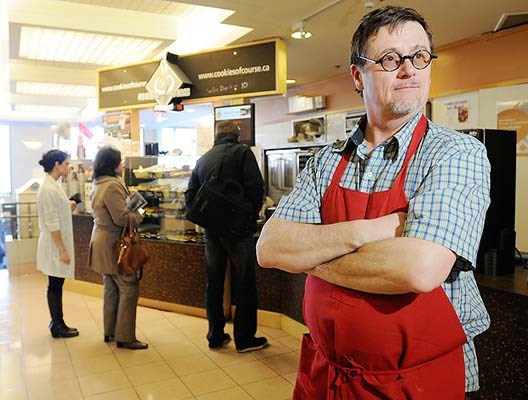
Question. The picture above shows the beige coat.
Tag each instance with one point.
(110, 215)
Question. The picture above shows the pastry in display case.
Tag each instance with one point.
(163, 188)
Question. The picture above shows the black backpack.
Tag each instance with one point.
(220, 205)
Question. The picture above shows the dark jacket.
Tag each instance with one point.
(239, 164)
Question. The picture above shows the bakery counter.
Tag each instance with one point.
(175, 275)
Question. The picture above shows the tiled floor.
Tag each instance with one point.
(177, 365)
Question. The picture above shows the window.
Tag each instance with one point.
(180, 142)
(90, 144)
(5, 161)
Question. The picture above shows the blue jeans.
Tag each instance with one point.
(242, 253)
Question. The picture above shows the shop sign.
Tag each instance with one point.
(238, 71)
(249, 70)
(124, 87)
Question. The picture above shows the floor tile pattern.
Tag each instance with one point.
(177, 365)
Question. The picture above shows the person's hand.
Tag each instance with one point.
(73, 205)
(388, 226)
(64, 257)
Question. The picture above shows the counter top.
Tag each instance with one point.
(512, 283)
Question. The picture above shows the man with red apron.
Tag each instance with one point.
(367, 346)
(392, 306)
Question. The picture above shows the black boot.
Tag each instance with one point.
(57, 326)
(62, 331)
(61, 315)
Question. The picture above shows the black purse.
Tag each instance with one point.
(220, 205)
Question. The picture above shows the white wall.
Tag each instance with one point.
(24, 161)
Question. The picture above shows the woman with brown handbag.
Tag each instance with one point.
(121, 291)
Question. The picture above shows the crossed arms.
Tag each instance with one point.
(366, 255)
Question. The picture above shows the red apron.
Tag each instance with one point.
(367, 346)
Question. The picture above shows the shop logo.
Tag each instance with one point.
(168, 82)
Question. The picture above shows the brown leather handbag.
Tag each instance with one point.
(132, 255)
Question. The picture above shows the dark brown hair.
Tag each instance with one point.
(371, 23)
(106, 161)
(227, 128)
(51, 157)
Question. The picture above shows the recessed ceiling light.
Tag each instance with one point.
(84, 47)
(46, 109)
(55, 89)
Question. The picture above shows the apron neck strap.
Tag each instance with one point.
(418, 134)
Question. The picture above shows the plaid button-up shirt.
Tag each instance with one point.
(447, 184)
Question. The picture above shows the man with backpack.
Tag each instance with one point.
(225, 192)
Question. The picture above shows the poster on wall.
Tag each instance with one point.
(116, 124)
(456, 112)
(309, 130)
(513, 116)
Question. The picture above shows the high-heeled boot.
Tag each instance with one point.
(57, 326)
(61, 316)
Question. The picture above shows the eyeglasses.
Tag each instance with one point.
(392, 60)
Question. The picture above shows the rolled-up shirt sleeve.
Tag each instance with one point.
(450, 205)
(50, 211)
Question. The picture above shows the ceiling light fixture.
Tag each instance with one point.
(33, 144)
(55, 89)
(290, 81)
(42, 109)
(299, 31)
(84, 47)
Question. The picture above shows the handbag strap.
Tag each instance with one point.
(127, 228)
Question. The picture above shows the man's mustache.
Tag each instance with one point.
(407, 84)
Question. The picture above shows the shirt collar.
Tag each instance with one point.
(401, 139)
(50, 178)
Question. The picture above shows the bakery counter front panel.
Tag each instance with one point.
(174, 273)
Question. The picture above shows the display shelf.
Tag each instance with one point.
(164, 192)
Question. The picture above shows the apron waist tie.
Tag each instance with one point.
(342, 374)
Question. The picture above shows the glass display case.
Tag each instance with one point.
(163, 186)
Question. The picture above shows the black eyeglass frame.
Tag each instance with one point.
(409, 57)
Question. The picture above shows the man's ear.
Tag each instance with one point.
(357, 76)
